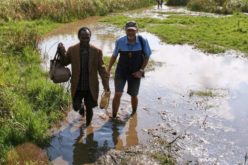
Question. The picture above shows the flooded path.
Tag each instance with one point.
(196, 99)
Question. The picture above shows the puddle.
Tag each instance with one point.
(214, 128)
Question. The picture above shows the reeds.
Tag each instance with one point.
(63, 10)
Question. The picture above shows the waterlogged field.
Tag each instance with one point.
(29, 103)
(192, 106)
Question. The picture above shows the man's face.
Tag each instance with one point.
(131, 34)
(84, 37)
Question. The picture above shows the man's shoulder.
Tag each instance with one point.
(77, 45)
(121, 39)
(94, 47)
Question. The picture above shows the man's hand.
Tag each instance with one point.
(138, 74)
(61, 49)
(109, 71)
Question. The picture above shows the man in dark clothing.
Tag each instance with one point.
(86, 62)
(160, 3)
(134, 55)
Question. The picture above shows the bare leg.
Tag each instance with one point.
(116, 103)
(134, 101)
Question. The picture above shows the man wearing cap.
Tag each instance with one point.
(134, 54)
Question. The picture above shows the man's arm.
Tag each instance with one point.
(144, 63)
(103, 72)
(146, 50)
(111, 63)
(141, 72)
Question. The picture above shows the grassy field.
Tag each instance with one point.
(218, 6)
(210, 34)
(212, 6)
(29, 102)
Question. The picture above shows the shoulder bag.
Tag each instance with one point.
(58, 73)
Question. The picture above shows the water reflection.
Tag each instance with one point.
(85, 150)
(78, 144)
(132, 138)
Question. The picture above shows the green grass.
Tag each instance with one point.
(64, 10)
(218, 6)
(210, 34)
(29, 102)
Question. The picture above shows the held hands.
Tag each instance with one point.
(109, 71)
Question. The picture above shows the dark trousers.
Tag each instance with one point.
(85, 96)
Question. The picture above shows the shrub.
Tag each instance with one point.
(64, 10)
(219, 6)
(201, 5)
(177, 2)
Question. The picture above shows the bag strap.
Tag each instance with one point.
(56, 56)
(142, 43)
(54, 63)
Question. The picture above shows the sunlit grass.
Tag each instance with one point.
(219, 6)
(210, 34)
(64, 10)
(29, 102)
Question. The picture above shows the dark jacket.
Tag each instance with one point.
(96, 66)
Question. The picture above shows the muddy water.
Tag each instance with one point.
(208, 130)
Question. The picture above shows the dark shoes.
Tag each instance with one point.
(89, 115)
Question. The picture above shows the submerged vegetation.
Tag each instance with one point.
(29, 102)
(205, 93)
(210, 34)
